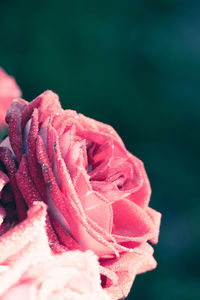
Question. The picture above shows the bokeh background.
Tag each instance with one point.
(136, 66)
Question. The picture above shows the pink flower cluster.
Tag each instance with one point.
(97, 194)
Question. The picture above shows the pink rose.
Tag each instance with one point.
(97, 192)
(28, 270)
(8, 91)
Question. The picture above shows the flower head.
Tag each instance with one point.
(97, 192)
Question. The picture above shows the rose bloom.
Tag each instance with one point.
(29, 271)
(96, 191)
(8, 91)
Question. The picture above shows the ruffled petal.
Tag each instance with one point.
(142, 195)
(34, 167)
(126, 268)
(156, 219)
(17, 247)
(96, 127)
(47, 103)
(13, 118)
(7, 158)
(130, 222)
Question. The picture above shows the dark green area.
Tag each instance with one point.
(136, 66)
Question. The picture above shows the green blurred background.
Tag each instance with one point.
(136, 66)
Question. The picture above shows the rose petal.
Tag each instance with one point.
(18, 245)
(126, 267)
(24, 291)
(142, 195)
(60, 202)
(130, 222)
(96, 127)
(35, 169)
(13, 118)
(7, 158)
(156, 219)
(64, 237)
(25, 183)
(47, 103)
(109, 190)
(16, 238)
(63, 121)
(31, 195)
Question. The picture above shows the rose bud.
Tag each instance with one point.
(8, 91)
(96, 191)
(28, 270)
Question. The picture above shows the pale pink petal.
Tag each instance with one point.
(17, 247)
(24, 291)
